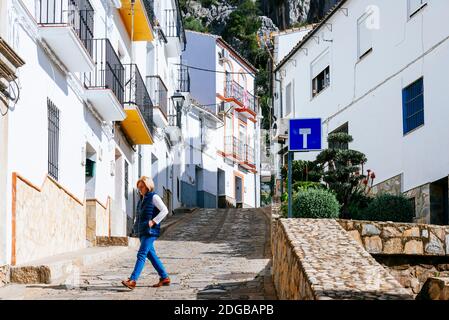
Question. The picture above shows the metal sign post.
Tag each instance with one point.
(305, 135)
(289, 179)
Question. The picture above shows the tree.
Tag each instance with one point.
(342, 169)
(302, 171)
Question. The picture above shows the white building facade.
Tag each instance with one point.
(223, 82)
(84, 119)
(377, 70)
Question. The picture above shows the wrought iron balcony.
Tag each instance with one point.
(136, 93)
(173, 24)
(158, 93)
(243, 97)
(106, 82)
(174, 120)
(248, 157)
(109, 72)
(183, 79)
(149, 8)
(139, 124)
(234, 148)
(173, 31)
(56, 18)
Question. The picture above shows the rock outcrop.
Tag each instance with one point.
(276, 14)
(288, 13)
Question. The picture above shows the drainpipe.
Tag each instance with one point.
(132, 29)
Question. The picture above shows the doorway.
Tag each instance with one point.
(439, 202)
(221, 188)
(90, 171)
(238, 183)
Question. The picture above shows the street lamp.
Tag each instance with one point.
(178, 101)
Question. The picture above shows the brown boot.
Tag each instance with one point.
(131, 284)
(162, 282)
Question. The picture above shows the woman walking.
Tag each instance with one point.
(151, 210)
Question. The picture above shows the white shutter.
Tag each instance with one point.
(365, 35)
(320, 64)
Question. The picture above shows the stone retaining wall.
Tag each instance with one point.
(97, 223)
(112, 241)
(399, 238)
(412, 272)
(4, 275)
(48, 221)
(318, 260)
(288, 275)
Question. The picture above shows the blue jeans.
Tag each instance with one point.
(146, 250)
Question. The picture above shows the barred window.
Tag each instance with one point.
(53, 139)
(413, 106)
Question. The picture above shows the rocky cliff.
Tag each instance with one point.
(288, 13)
(282, 14)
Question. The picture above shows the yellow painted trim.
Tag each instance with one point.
(135, 128)
(142, 25)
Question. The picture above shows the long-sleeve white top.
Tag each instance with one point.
(158, 203)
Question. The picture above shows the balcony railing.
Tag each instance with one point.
(158, 92)
(249, 155)
(174, 120)
(109, 72)
(149, 7)
(136, 93)
(78, 14)
(183, 79)
(234, 148)
(239, 151)
(237, 92)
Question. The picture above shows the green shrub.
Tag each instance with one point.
(358, 206)
(387, 207)
(305, 185)
(315, 203)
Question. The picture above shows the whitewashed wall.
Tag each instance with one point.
(367, 93)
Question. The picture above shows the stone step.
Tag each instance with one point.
(111, 241)
(60, 268)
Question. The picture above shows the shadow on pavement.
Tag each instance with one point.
(258, 288)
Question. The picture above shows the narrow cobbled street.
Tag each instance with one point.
(211, 254)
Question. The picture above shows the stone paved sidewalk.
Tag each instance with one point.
(215, 254)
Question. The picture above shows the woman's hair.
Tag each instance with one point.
(148, 183)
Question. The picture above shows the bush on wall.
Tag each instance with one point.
(387, 207)
(315, 204)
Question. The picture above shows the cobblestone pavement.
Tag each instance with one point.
(212, 254)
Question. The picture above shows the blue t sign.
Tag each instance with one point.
(305, 135)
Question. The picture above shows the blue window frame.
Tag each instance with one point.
(413, 105)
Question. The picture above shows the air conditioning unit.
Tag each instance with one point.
(281, 131)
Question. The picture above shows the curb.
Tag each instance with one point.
(58, 270)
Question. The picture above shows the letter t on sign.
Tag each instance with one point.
(305, 133)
